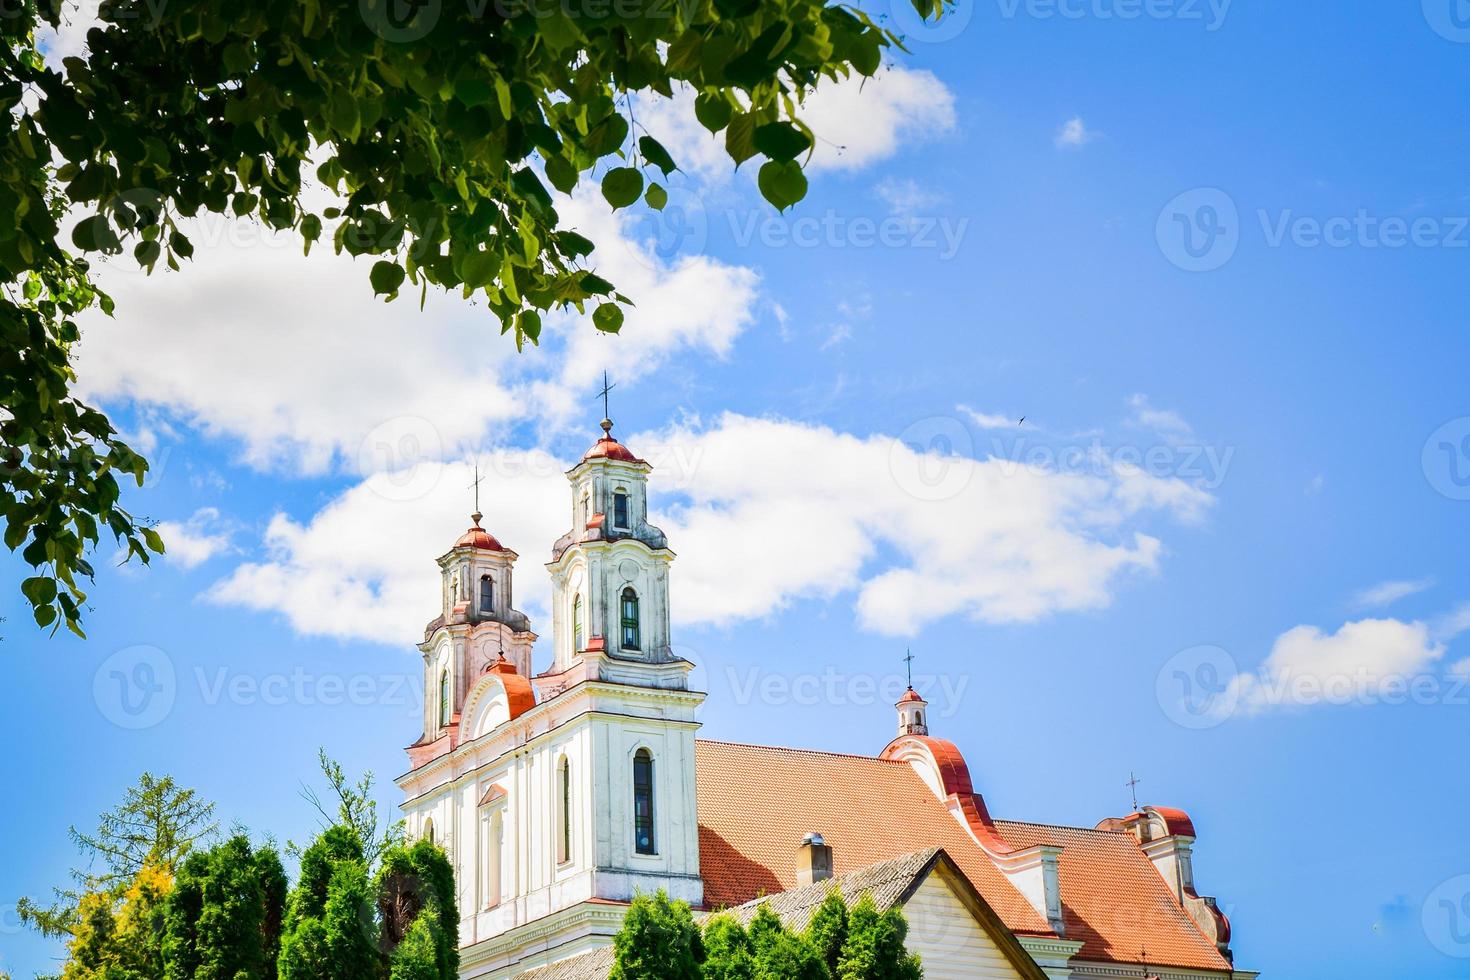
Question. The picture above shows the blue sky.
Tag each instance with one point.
(1232, 486)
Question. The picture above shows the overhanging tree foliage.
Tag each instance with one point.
(441, 133)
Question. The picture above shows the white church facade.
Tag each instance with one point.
(562, 794)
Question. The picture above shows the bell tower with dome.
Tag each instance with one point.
(610, 575)
(477, 624)
(559, 796)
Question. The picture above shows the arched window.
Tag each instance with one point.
(577, 645)
(586, 508)
(630, 619)
(487, 595)
(429, 829)
(620, 508)
(444, 697)
(564, 812)
(643, 802)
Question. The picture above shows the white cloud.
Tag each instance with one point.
(761, 512)
(363, 566)
(191, 543)
(293, 357)
(1170, 425)
(1460, 668)
(987, 420)
(858, 122)
(1361, 663)
(982, 539)
(1387, 593)
(905, 196)
(1451, 624)
(1074, 134)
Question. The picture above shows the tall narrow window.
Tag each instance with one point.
(620, 508)
(586, 508)
(630, 619)
(429, 829)
(443, 697)
(577, 645)
(643, 802)
(487, 595)
(564, 812)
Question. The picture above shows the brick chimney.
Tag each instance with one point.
(813, 860)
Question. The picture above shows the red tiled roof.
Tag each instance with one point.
(910, 695)
(1115, 902)
(756, 802)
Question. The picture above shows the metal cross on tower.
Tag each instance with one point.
(476, 485)
(908, 661)
(1132, 785)
(606, 388)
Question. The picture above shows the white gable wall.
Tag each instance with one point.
(945, 933)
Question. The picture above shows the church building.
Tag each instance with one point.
(560, 795)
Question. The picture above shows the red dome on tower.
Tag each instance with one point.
(478, 537)
(609, 448)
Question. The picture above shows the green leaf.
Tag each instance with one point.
(781, 141)
(656, 196)
(783, 184)
(479, 269)
(573, 244)
(654, 152)
(529, 322)
(561, 173)
(608, 318)
(621, 186)
(39, 589)
(386, 278)
(713, 111)
(740, 138)
(595, 284)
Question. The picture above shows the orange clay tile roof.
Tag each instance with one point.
(1115, 902)
(756, 803)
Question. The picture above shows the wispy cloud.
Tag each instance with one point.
(1387, 593)
(1166, 422)
(1074, 134)
(986, 420)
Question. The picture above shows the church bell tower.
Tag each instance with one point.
(610, 575)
